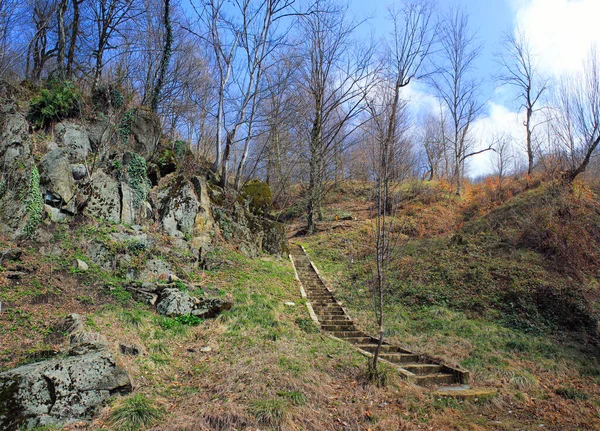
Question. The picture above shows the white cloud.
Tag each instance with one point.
(499, 121)
(561, 31)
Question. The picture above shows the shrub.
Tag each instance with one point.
(107, 97)
(61, 100)
(135, 413)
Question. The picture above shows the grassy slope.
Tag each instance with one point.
(267, 368)
(471, 296)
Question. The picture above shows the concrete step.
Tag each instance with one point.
(359, 340)
(400, 358)
(338, 328)
(385, 348)
(434, 380)
(423, 369)
(336, 321)
(347, 334)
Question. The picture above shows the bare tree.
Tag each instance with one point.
(165, 58)
(258, 42)
(333, 79)
(412, 39)
(41, 48)
(73, 37)
(577, 120)
(503, 159)
(434, 145)
(520, 71)
(108, 17)
(456, 88)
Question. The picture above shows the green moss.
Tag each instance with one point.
(258, 193)
(35, 204)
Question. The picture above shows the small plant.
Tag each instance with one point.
(125, 125)
(35, 204)
(381, 375)
(270, 412)
(61, 100)
(307, 325)
(571, 394)
(178, 321)
(135, 413)
(136, 247)
(296, 397)
(120, 294)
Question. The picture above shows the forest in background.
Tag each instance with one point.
(292, 92)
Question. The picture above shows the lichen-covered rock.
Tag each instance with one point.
(16, 166)
(56, 181)
(59, 391)
(177, 206)
(174, 302)
(146, 131)
(154, 269)
(104, 200)
(73, 138)
(275, 238)
(211, 307)
(100, 255)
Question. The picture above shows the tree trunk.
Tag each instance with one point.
(73, 39)
(529, 144)
(62, 39)
(166, 58)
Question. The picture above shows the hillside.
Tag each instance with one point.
(508, 289)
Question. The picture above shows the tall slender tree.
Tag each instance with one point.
(521, 72)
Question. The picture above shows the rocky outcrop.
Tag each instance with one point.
(146, 132)
(252, 232)
(184, 210)
(56, 181)
(16, 166)
(174, 302)
(171, 301)
(62, 390)
(74, 139)
(104, 198)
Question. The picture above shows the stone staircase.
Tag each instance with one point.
(333, 319)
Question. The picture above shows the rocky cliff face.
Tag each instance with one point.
(90, 169)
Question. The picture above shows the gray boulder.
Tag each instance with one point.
(73, 138)
(79, 171)
(154, 269)
(101, 255)
(146, 131)
(14, 138)
(177, 206)
(59, 391)
(174, 302)
(56, 181)
(105, 200)
(211, 307)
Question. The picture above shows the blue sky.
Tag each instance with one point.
(561, 33)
